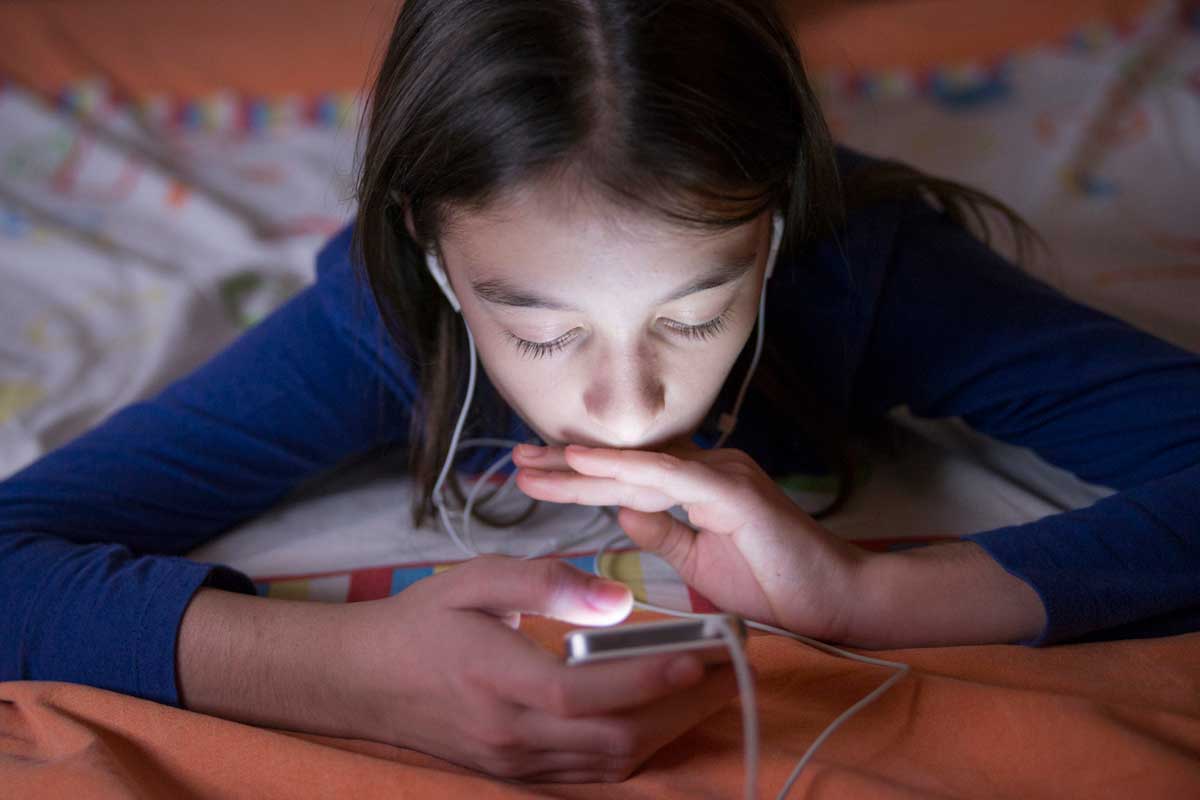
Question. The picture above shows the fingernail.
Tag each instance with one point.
(607, 595)
(684, 671)
(529, 451)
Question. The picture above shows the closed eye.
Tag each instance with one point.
(701, 332)
(535, 350)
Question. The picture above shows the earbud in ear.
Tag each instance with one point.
(439, 275)
(776, 238)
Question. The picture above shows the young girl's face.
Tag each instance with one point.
(603, 330)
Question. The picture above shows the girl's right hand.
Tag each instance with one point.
(439, 668)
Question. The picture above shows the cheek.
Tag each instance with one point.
(701, 368)
(721, 353)
(532, 388)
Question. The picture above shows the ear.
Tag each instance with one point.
(408, 222)
(398, 200)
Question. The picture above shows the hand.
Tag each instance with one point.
(750, 549)
(441, 669)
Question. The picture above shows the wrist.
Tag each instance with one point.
(260, 661)
(831, 578)
(950, 593)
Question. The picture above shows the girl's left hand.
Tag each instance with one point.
(750, 549)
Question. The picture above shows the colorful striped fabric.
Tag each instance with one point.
(650, 578)
(219, 112)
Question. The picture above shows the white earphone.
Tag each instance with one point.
(776, 239)
(443, 282)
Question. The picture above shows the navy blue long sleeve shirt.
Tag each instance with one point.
(903, 308)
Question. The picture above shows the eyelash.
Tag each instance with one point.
(701, 332)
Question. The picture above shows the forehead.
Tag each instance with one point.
(546, 223)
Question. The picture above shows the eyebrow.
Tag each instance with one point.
(501, 292)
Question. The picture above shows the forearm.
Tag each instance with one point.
(264, 662)
(942, 594)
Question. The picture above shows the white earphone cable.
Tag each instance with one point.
(439, 500)
(741, 668)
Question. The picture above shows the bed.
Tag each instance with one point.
(168, 171)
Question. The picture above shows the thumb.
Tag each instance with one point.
(545, 586)
(661, 534)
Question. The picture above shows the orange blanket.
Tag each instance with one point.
(1118, 719)
(273, 47)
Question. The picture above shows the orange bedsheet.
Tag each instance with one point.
(311, 46)
(1117, 719)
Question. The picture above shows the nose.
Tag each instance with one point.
(625, 397)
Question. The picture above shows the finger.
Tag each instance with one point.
(545, 586)
(531, 455)
(554, 458)
(571, 487)
(635, 734)
(528, 676)
(588, 689)
(662, 534)
(671, 717)
(687, 480)
(612, 686)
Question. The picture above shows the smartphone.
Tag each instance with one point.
(702, 636)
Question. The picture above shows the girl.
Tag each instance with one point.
(600, 182)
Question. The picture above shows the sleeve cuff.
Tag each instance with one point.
(155, 654)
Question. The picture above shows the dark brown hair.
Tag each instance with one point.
(697, 112)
